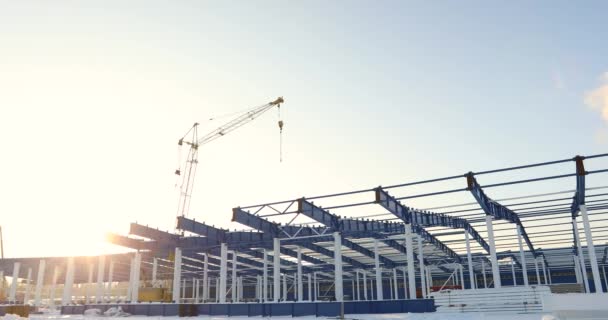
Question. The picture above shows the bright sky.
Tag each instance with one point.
(94, 96)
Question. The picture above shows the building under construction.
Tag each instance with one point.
(480, 236)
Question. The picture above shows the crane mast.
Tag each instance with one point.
(192, 140)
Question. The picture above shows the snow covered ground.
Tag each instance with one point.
(409, 316)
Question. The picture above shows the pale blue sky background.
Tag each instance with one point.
(94, 95)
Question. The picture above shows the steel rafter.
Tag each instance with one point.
(347, 226)
(407, 215)
(250, 220)
(495, 209)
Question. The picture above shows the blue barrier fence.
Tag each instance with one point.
(294, 309)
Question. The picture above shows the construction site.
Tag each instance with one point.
(539, 248)
(359, 160)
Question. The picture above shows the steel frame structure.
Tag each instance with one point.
(522, 237)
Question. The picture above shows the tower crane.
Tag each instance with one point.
(192, 140)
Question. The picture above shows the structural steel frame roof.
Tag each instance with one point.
(541, 198)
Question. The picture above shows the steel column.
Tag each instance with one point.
(469, 260)
(513, 273)
(26, 296)
(537, 272)
(300, 295)
(276, 269)
(110, 278)
(364, 285)
(581, 255)
(591, 249)
(409, 247)
(177, 275)
(493, 259)
(205, 277)
(234, 280)
(101, 267)
(522, 257)
(39, 283)
(54, 285)
(223, 272)
(69, 282)
(422, 268)
(483, 271)
(265, 277)
(544, 271)
(284, 287)
(14, 282)
(309, 287)
(404, 283)
(379, 294)
(338, 267)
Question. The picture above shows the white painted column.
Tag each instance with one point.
(591, 250)
(177, 275)
(390, 288)
(130, 285)
(338, 267)
(54, 286)
(136, 279)
(2, 288)
(309, 287)
(577, 270)
(184, 283)
(364, 285)
(39, 283)
(154, 271)
(193, 291)
(409, 248)
(581, 256)
(101, 266)
(483, 271)
(26, 297)
(378, 271)
(522, 257)
(276, 269)
(493, 259)
(461, 275)
(217, 289)
(396, 286)
(429, 280)
(542, 263)
(14, 282)
(357, 293)
(110, 278)
(605, 279)
(422, 267)
(300, 295)
(223, 272)
(258, 288)
(234, 280)
(314, 279)
(265, 278)
(536, 268)
(513, 273)
(205, 277)
(88, 286)
(404, 283)
(284, 287)
(69, 282)
(469, 261)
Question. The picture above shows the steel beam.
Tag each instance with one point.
(495, 209)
